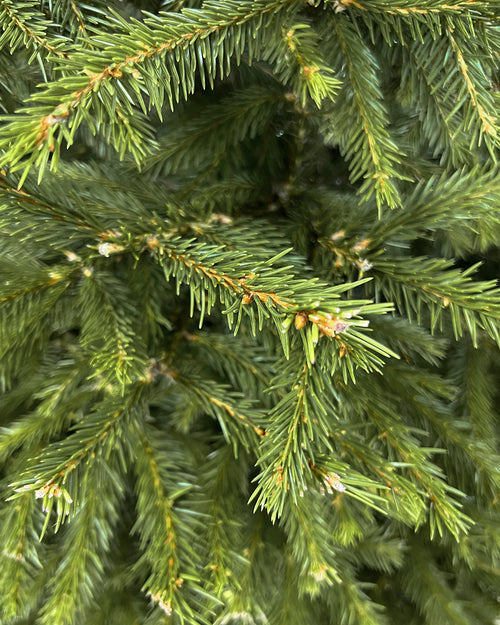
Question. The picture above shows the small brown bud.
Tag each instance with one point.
(300, 320)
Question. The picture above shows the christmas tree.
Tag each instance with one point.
(249, 319)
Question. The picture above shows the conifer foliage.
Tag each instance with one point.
(249, 322)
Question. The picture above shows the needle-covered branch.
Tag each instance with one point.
(177, 45)
(249, 312)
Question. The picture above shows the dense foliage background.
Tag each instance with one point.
(249, 319)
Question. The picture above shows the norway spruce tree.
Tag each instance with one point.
(249, 323)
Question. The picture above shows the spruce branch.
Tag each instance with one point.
(57, 217)
(87, 542)
(119, 356)
(246, 288)
(244, 114)
(353, 602)
(413, 343)
(436, 100)
(31, 301)
(228, 355)
(398, 495)
(470, 303)
(442, 604)
(424, 284)
(186, 42)
(301, 430)
(55, 474)
(24, 26)
(411, 8)
(360, 112)
(481, 548)
(455, 434)
(481, 114)
(39, 282)
(309, 543)
(384, 555)
(253, 597)
(20, 556)
(166, 539)
(405, 450)
(76, 18)
(468, 199)
(471, 371)
(224, 486)
(289, 606)
(60, 397)
(287, 447)
(238, 417)
(299, 64)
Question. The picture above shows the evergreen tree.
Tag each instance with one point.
(248, 313)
